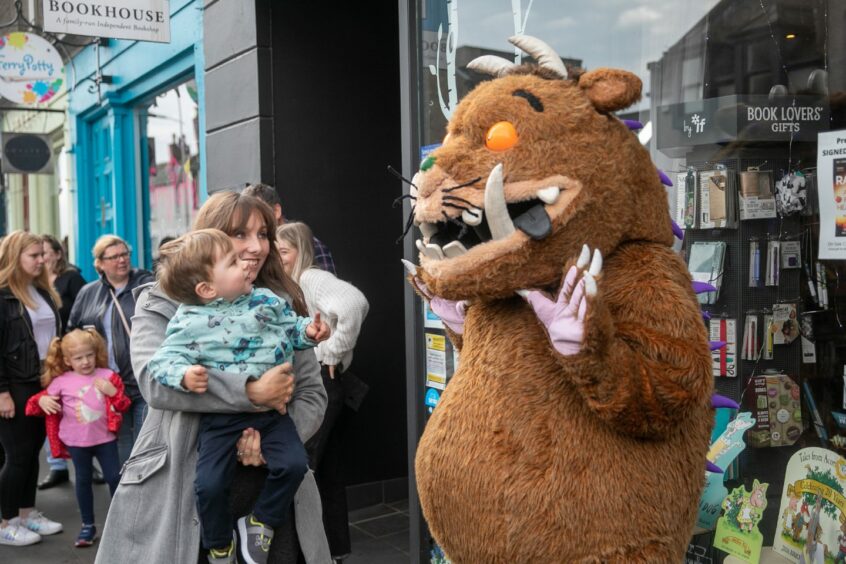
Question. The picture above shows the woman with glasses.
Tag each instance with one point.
(95, 307)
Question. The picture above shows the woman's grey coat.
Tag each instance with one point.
(153, 516)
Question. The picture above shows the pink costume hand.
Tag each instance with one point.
(564, 318)
(451, 312)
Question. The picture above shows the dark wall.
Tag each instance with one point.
(336, 110)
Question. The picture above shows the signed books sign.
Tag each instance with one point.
(144, 20)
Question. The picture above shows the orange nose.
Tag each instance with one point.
(501, 136)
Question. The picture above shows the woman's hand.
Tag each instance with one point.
(7, 406)
(249, 448)
(104, 386)
(274, 389)
(50, 404)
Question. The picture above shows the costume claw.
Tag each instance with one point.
(717, 345)
(702, 287)
(590, 285)
(584, 258)
(722, 401)
(711, 467)
(596, 264)
(665, 180)
(410, 267)
(677, 231)
(633, 124)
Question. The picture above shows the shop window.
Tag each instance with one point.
(744, 95)
(173, 163)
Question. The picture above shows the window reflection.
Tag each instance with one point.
(173, 162)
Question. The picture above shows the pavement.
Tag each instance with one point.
(379, 533)
(59, 504)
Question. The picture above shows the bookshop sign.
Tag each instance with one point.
(740, 118)
(143, 20)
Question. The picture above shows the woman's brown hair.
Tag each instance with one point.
(12, 275)
(62, 265)
(230, 212)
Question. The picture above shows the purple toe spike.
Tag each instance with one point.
(706, 315)
(633, 124)
(711, 467)
(677, 231)
(717, 345)
(722, 401)
(665, 180)
(702, 287)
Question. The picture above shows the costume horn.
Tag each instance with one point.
(541, 52)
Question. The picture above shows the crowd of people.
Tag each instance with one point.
(212, 386)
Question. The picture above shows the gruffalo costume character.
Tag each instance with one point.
(577, 424)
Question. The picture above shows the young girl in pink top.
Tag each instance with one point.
(88, 397)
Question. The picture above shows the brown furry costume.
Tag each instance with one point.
(532, 456)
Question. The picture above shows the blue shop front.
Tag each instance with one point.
(137, 124)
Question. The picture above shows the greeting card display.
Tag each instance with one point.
(785, 325)
(723, 451)
(812, 515)
(737, 530)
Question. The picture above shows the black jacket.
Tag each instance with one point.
(19, 363)
(89, 309)
(67, 285)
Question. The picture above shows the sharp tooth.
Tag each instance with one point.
(549, 195)
(434, 251)
(496, 214)
(454, 249)
(428, 229)
(472, 216)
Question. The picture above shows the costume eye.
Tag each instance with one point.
(501, 136)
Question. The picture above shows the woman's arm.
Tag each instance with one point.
(227, 391)
(308, 403)
(337, 300)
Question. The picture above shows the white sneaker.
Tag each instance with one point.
(14, 535)
(38, 523)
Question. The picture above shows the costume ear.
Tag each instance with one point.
(611, 89)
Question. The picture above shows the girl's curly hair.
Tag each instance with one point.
(55, 365)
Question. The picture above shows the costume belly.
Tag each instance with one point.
(514, 467)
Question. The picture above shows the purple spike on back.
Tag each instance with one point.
(711, 467)
(706, 315)
(665, 180)
(722, 401)
(702, 287)
(716, 345)
(633, 124)
(677, 231)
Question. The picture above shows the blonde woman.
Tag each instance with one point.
(344, 308)
(29, 319)
(95, 307)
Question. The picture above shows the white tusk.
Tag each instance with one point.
(541, 52)
(496, 212)
(549, 195)
(454, 249)
(420, 246)
(523, 294)
(472, 216)
(491, 64)
(584, 258)
(410, 267)
(428, 229)
(596, 264)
